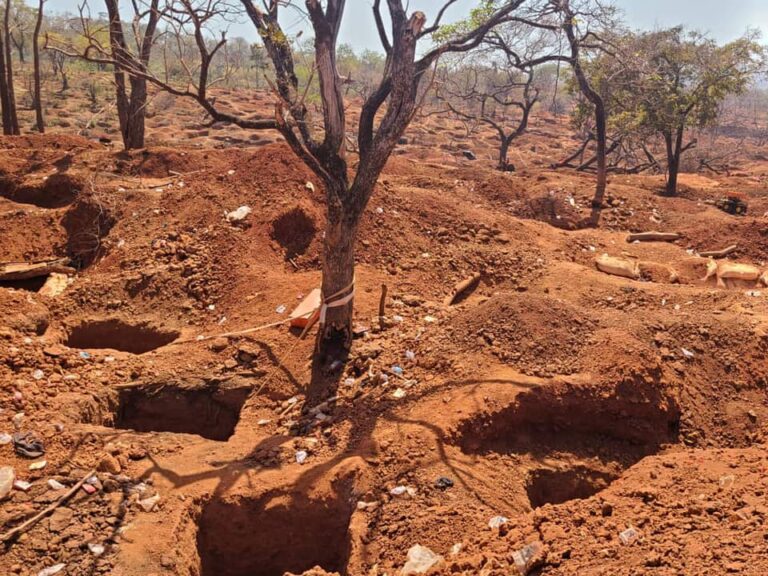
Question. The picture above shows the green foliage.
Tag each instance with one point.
(477, 16)
(669, 80)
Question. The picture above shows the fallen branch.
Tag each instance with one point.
(653, 237)
(720, 253)
(382, 306)
(21, 528)
(461, 288)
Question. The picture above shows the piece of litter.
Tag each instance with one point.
(84, 355)
(399, 393)
(88, 489)
(455, 549)
(420, 559)
(5, 439)
(96, 549)
(39, 465)
(628, 536)
(38, 374)
(525, 558)
(753, 293)
(397, 370)
(237, 216)
(497, 521)
(55, 484)
(400, 490)
(687, 353)
(281, 309)
(410, 355)
(301, 456)
(727, 481)
(22, 485)
(50, 571)
(263, 422)
(430, 319)
(149, 504)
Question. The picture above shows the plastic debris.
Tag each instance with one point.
(527, 557)
(443, 483)
(84, 355)
(237, 216)
(400, 490)
(281, 309)
(727, 481)
(38, 374)
(399, 393)
(50, 571)
(497, 521)
(88, 488)
(301, 456)
(39, 465)
(263, 422)
(149, 504)
(456, 548)
(397, 370)
(754, 293)
(410, 355)
(96, 549)
(419, 560)
(7, 478)
(430, 319)
(629, 535)
(22, 485)
(687, 353)
(25, 444)
(5, 439)
(55, 484)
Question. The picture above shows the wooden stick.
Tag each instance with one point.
(720, 253)
(653, 237)
(461, 288)
(382, 306)
(40, 515)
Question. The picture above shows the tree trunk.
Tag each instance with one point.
(134, 129)
(335, 336)
(503, 153)
(601, 134)
(40, 121)
(674, 150)
(4, 101)
(13, 118)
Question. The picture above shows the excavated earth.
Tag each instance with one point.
(616, 425)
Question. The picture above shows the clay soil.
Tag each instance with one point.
(574, 404)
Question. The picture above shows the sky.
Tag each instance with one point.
(723, 20)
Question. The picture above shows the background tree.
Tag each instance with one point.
(673, 80)
(7, 92)
(38, 94)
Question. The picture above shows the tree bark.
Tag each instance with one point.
(674, 150)
(4, 101)
(40, 121)
(12, 117)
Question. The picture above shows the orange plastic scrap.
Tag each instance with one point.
(307, 310)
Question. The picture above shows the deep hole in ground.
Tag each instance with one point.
(210, 409)
(56, 191)
(555, 486)
(615, 425)
(272, 536)
(116, 334)
(294, 231)
(28, 284)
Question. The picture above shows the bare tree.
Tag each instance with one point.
(38, 94)
(581, 22)
(385, 115)
(131, 66)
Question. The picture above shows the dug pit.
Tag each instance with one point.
(294, 231)
(55, 191)
(272, 535)
(558, 485)
(210, 409)
(116, 334)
